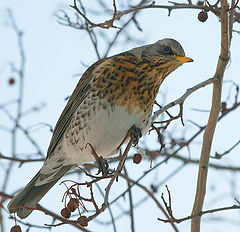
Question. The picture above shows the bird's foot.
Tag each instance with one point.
(135, 133)
(102, 163)
(103, 167)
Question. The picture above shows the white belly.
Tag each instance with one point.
(106, 130)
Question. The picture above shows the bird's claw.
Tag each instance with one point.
(135, 134)
(103, 167)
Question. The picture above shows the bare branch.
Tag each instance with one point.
(150, 194)
(219, 156)
(106, 25)
(200, 214)
(130, 202)
(213, 118)
(117, 15)
(192, 161)
(21, 161)
(182, 98)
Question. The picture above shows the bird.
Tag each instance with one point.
(114, 95)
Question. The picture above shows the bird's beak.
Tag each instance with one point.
(183, 59)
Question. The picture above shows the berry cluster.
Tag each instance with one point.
(71, 207)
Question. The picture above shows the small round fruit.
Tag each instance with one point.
(73, 204)
(83, 221)
(66, 213)
(11, 81)
(16, 229)
(202, 16)
(137, 158)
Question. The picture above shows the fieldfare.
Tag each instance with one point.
(113, 95)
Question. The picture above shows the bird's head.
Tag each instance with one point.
(164, 56)
(165, 53)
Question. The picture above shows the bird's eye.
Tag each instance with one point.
(167, 50)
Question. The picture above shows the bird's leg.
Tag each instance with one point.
(101, 162)
(135, 133)
(103, 166)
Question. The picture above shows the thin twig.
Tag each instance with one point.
(150, 194)
(192, 161)
(200, 214)
(219, 156)
(114, 177)
(117, 15)
(21, 161)
(130, 202)
(182, 98)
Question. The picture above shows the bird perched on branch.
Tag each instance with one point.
(114, 95)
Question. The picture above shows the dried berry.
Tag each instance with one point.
(16, 229)
(82, 221)
(137, 158)
(66, 213)
(202, 16)
(200, 3)
(72, 204)
(11, 81)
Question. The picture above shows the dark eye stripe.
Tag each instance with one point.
(167, 50)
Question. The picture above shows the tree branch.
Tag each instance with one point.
(182, 98)
(212, 121)
(200, 214)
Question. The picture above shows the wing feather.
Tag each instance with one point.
(74, 101)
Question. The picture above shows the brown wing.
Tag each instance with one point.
(74, 101)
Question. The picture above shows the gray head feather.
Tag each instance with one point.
(162, 47)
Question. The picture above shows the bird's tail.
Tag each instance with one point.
(32, 194)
